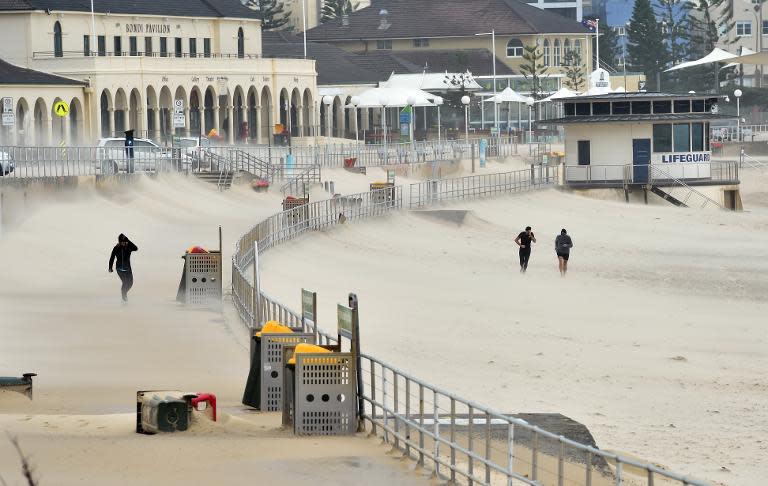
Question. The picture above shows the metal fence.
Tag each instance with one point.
(485, 185)
(455, 437)
(626, 174)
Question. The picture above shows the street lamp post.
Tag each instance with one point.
(529, 101)
(738, 94)
(465, 101)
(492, 33)
(411, 104)
(384, 102)
(438, 102)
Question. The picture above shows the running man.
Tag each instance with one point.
(524, 240)
(122, 253)
(563, 245)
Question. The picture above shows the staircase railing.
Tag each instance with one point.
(252, 164)
(302, 180)
(752, 162)
(657, 173)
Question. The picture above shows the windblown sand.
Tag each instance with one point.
(656, 340)
(61, 317)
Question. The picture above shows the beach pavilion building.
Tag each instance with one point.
(649, 142)
(144, 61)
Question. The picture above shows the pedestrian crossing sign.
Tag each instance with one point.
(61, 109)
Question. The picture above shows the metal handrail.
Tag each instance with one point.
(668, 177)
(305, 177)
(255, 309)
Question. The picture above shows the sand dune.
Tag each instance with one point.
(655, 340)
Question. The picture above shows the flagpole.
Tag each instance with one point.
(597, 41)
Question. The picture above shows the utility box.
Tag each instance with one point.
(162, 411)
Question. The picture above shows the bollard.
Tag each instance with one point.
(472, 151)
(332, 187)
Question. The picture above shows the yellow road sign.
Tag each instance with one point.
(61, 109)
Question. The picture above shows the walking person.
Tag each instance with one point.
(122, 253)
(524, 240)
(563, 245)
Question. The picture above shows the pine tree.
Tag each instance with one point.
(646, 50)
(707, 29)
(609, 46)
(676, 24)
(574, 70)
(533, 69)
(271, 12)
(335, 9)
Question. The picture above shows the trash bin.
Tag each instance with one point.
(381, 196)
(201, 278)
(264, 387)
(162, 411)
(320, 390)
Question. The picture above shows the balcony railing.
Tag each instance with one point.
(129, 53)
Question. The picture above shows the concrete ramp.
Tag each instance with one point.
(456, 216)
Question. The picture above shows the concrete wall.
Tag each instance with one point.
(611, 143)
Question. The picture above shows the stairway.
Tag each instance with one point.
(668, 197)
(221, 180)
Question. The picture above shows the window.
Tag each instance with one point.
(601, 108)
(192, 47)
(118, 41)
(546, 52)
(557, 52)
(569, 108)
(384, 44)
(133, 45)
(697, 137)
(641, 107)
(765, 27)
(662, 107)
(514, 48)
(420, 42)
(163, 47)
(207, 47)
(58, 43)
(240, 43)
(662, 137)
(682, 137)
(620, 31)
(621, 107)
(697, 106)
(101, 42)
(566, 46)
(682, 106)
(148, 48)
(744, 28)
(86, 45)
(583, 109)
(179, 50)
(577, 47)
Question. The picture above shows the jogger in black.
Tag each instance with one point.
(122, 253)
(524, 240)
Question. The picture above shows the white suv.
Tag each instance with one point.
(147, 156)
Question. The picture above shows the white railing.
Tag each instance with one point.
(455, 437)
(625, 174)
(681, 191)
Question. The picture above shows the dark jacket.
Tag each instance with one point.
(123, 256)
(563, 244)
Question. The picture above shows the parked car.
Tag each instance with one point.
(147, 155)
(7, 164)
(194, 150)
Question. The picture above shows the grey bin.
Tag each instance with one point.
(264, 388)
(162, 411)
(320, 394)
(201, 279)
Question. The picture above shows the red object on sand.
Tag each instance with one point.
(350, 162)
(197, 249)
(209, 398)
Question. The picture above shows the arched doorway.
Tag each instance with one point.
(181, 94)
(309, 119)
(58, 43)
(75, 122)
(194, 112)
(238, 111)
(338, 117)
(136, 114)
(153, 116)
(210, 106)
(165, 107)
(105, 103)
(22, 122)
(283, 109)
(41, 118)
(121, 105)
(253, 115)
(296, 120)
(266, 114)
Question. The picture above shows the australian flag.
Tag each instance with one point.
(590, 24)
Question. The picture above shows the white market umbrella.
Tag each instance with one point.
(393, 97)
(717, 55)
(509, 95)
(558, 95)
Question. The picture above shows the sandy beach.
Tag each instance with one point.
(655, 340)
(61, 317)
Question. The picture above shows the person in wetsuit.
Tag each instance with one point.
(524, 240)
(121, 253)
